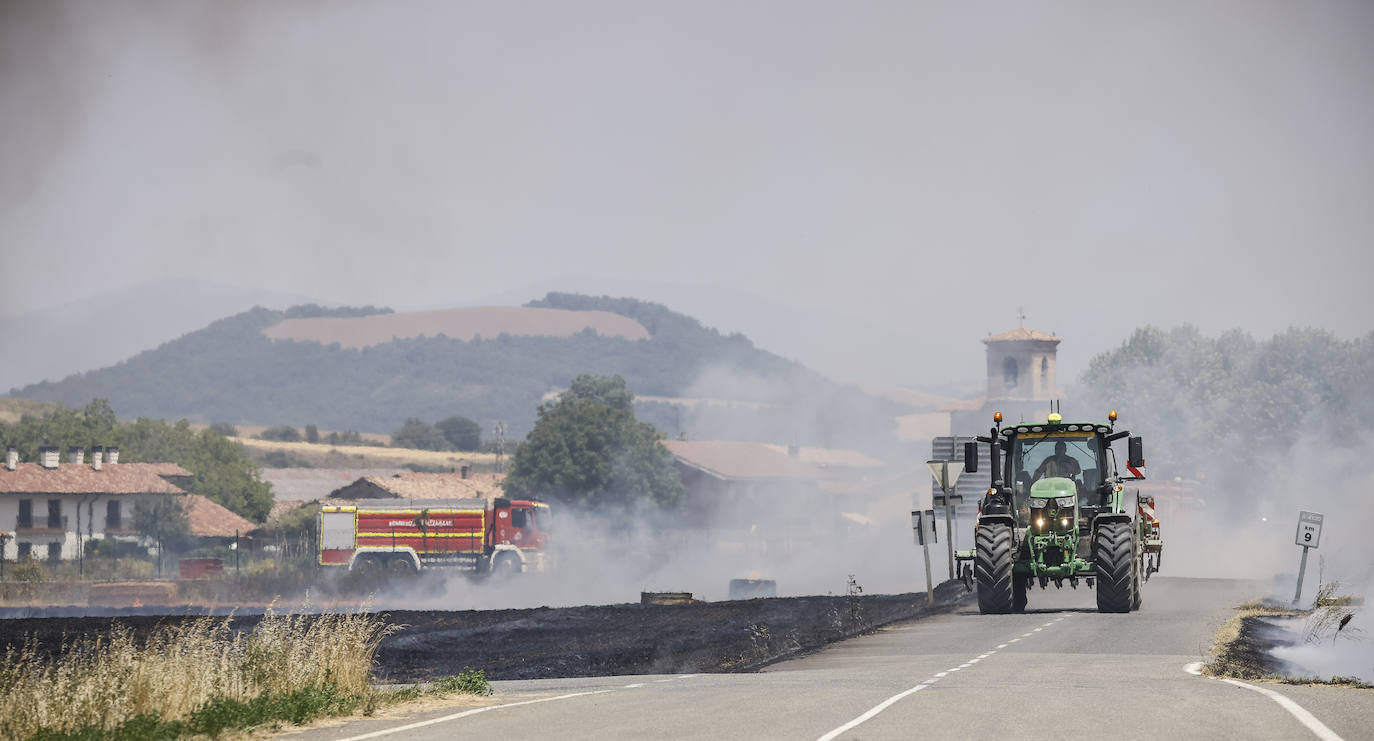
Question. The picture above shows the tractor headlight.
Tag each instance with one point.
(1040, 522)
(1064, 502)
(1038, 503)
(1064, 522)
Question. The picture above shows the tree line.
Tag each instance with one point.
(220, 468)
(1231, 409)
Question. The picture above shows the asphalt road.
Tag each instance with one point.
(1059, 669)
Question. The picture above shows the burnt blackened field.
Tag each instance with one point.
(574, 641)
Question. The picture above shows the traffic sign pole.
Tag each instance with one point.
(918, 527)
(947, 478)
(1302, 569)
(1309, 536)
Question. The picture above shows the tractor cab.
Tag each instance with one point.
(1055, 462)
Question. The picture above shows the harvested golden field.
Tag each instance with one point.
(12, 409)
(365, 456)
(460, 324)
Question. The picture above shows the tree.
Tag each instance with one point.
(220, 468)
(312, 433)
(281, 433)
(419, 435)
(162, 519)
(588, 450)
(461, 432)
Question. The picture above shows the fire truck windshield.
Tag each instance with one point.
(541, 518)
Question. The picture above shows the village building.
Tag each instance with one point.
(784, 497)
(48, 509)
(459, 485)
(297, 487)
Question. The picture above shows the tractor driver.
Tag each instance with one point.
(1061, 464)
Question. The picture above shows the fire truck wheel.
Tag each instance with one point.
(506, 564)
(367, 565)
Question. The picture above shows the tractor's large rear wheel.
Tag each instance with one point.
(992, 568)
(1114, 552)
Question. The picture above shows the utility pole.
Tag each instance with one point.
(500, 431)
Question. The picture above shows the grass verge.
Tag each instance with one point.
(197, 678)
(1241, 648)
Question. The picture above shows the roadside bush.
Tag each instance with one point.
(27, 570)
(225, 429)
(469, 681)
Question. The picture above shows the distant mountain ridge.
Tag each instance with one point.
(230, 372)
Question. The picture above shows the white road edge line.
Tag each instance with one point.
(632, 686)
(466, 713)
(880, 707)
(1318, 728)
(1004, 645)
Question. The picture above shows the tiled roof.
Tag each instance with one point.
(305, 484)
(282, 506)
(427, 486)
(210, 520)
(830, 457)
(1021, 334)
(730, 459)
(121, 478)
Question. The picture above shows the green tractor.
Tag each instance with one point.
(1058, 511)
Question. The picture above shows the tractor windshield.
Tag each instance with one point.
(1073, 455)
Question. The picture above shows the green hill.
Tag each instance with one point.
(231, 372)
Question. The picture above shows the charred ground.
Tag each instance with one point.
(572, 641)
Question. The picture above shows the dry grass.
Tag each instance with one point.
(1232, 654)
(460, 324)
(107, 680)
(357, 455)
(12, 409)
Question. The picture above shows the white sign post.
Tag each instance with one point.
(946, 475)
(918, 529)
(1309, 536)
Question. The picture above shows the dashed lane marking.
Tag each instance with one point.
(632, 686)
(889, 702)
(1309, 721)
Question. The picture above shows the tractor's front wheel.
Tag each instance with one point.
(992, 568)
(1114, 552)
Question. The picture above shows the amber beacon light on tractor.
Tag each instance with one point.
(1059, 510)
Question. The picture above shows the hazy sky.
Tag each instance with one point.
(904, 174)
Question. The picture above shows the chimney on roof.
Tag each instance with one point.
(112, 454)
(794, 450)
(76, 455)
(11, 458)
(463, 472)
(97, 457)
(47, 456)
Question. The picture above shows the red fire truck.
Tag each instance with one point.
(500, 536)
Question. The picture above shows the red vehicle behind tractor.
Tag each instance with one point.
(500, 536)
